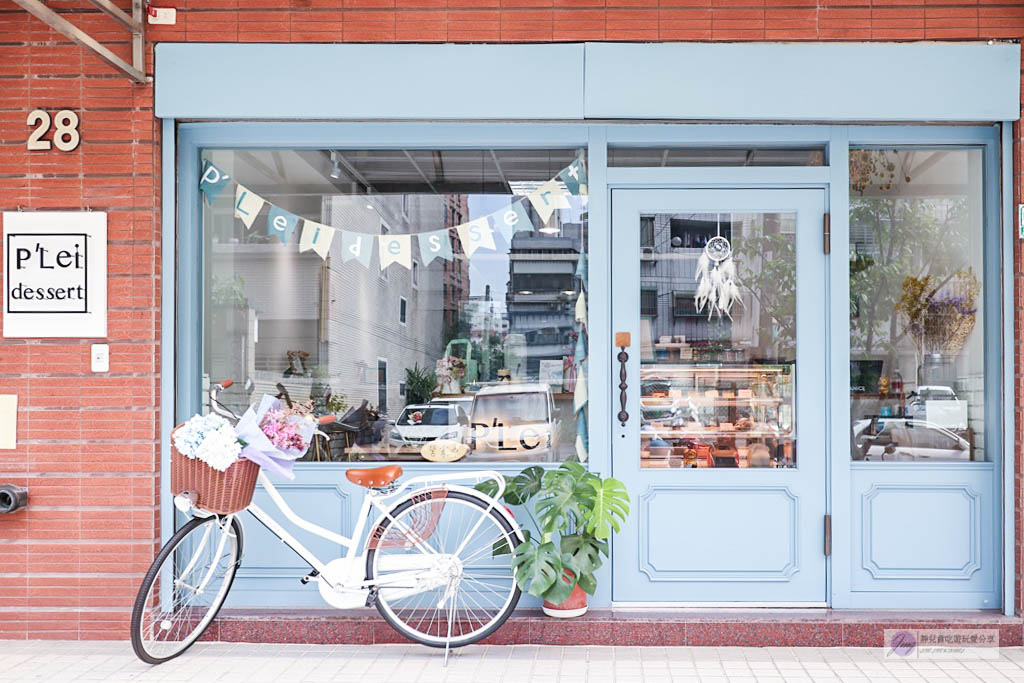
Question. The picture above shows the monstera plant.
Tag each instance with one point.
(575, 512)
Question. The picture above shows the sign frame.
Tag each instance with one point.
(48, 234)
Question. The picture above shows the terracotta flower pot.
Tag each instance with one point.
(574, 606)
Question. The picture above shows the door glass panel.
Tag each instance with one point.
(917, 356)
(718, 339)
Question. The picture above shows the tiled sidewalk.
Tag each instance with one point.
(60, 661)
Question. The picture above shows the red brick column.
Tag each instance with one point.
(88, 444)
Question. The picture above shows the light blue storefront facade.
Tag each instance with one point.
(852, 534)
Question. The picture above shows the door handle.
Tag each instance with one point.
(622, 340)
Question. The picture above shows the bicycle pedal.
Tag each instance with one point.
(309, 577)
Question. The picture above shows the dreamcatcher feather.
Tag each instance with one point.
(716, 279)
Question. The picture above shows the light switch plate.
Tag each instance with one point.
(100, 358)
(163, 15)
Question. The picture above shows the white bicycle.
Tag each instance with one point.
(435, 562)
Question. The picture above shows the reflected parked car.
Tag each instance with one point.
(907, 439)
(514, 420)
(423, 423)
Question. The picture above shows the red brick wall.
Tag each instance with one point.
(87, 444)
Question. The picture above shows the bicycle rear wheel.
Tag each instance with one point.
(185, 587)
(475, 541)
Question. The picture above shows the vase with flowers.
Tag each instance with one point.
(940, 315)
(450, 372)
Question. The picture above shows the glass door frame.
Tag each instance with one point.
(180, 144)
(803, 581)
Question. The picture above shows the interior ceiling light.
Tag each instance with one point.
(335, 166)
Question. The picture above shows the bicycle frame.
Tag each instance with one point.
(374, 498)
(383, 502)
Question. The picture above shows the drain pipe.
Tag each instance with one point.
(12, 498)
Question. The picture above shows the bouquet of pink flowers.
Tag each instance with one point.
(275, 437)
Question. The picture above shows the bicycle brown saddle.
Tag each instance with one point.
(374, 478)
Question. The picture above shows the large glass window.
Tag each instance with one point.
(917, 359)
(443, 298)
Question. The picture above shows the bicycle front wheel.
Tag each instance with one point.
(442, 569)
(185, 587)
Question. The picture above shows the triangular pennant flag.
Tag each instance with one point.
(435, 244)
(212, 181)
(317, 237)
(512, 219)
(247, 205)
(281, 223)
(395, 249)
(580, 352)
(581, 268)
(575, 176)
(356, 245)
(546, 199)
(579, 396)
(582, 438)
(476, 235)
(581, 309)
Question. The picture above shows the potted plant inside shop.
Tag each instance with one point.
(574, 512)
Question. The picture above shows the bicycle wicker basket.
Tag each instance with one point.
(219, 492)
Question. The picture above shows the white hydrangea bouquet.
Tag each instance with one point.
(209, 438)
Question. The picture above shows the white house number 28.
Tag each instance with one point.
(65, 130)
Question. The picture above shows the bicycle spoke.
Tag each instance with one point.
(484, 585)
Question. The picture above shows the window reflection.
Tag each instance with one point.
(917, 354)
(483, 350)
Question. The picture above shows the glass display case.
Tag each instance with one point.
(717, 415)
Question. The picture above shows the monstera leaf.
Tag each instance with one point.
(524, 485)
(609, 505)
(538, 566)
(581, 553)
(488, 487)
(565, 490)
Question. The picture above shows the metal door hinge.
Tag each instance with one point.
(827, 234)
(828, 535)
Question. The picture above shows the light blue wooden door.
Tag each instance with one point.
(723, 441)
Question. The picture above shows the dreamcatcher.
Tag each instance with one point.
(716, 277)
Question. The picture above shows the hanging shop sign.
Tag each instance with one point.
(396, 248)
(55, 274)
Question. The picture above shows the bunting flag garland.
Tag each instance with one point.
(474, 235)
(512, 219)
(582, 436)
(212, 181)
(435, 244)
(581, 267)
(395, 249)
(581, 309)
(356, 245)
(545, 199)
(580, 395)
(575, 177)
(247, 205)
(317, 237)
(281, 223)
